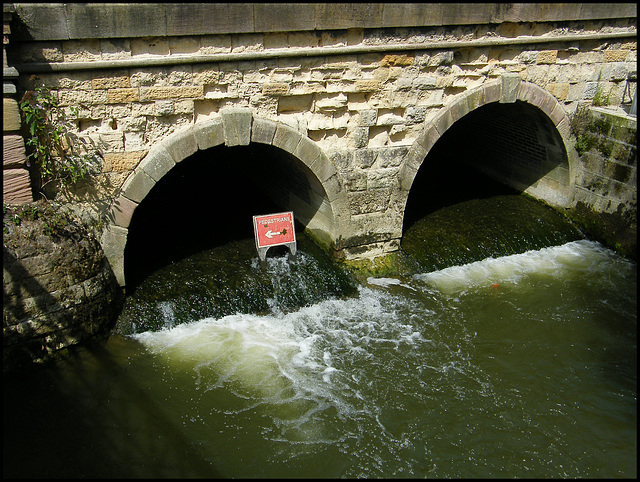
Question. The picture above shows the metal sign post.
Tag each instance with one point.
(274, 230)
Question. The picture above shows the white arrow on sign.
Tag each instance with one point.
(270, 234)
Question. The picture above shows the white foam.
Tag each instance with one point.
(577, 257)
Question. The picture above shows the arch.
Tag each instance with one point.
(509, 88)
(231, 127)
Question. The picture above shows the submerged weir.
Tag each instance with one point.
(514, 359)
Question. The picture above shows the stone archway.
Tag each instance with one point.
(232, 127)
(509, 88)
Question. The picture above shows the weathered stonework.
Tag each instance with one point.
(368, 94)
(58, 288)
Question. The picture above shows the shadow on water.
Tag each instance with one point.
(114, 429)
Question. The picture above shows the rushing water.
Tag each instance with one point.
(513, 366)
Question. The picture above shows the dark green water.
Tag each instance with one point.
(511, 366)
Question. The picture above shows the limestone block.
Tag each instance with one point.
(360, 136)
(355, 180)
(340, 86)
(80, 97)
(307, 151)
(263, 130)
(378, 136)
(441, 58)
(381, 179)
(547, 57)
(13, 152)
(167, 92)
(181, 144)
(141, 109)
(119, 96)
(16, 186)
(40, 51)
(236, 124)
(108, 141)
(368, 117)
(157, 163)
(113, 242)
(443, 121)
(391, 157)
(492, 92)
(615, 55)
(286, 138)
(424, 83)
(403, 83)
(333, 187)
(134, 140)
(183, 45)
(209, 133)
(164, 107)
(122, 211)
(364, 158)
(117, 82)
(367, 85)
(559, 90)
(150, 45)
(343, 160)
(295, 103)
(401, 60)
(84, 50)
(370, 201)
(510, 86)
(184, 106)
(122, 161)
(331, 102)
(386, 118)
(10, 115)
(138, 185)
(324, 171)
(319, 122)
(275, 88)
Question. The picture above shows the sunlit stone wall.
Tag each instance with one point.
(363, 82)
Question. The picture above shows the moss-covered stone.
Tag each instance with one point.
(58, 289)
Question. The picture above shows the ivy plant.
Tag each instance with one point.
(51, 144)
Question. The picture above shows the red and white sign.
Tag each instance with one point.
(274, 229)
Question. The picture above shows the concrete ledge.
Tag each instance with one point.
(99, 20)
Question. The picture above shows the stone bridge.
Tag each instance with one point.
(330, 110)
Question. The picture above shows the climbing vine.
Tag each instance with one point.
(61, 158)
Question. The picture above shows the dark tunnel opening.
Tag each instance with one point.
(209, 200)
(497, 149)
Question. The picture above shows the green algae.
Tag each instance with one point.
(483, 228)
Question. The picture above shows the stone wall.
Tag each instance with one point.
(606, 191)
(16, 183)
(352, 105)
(362, 82)
(58, 288)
